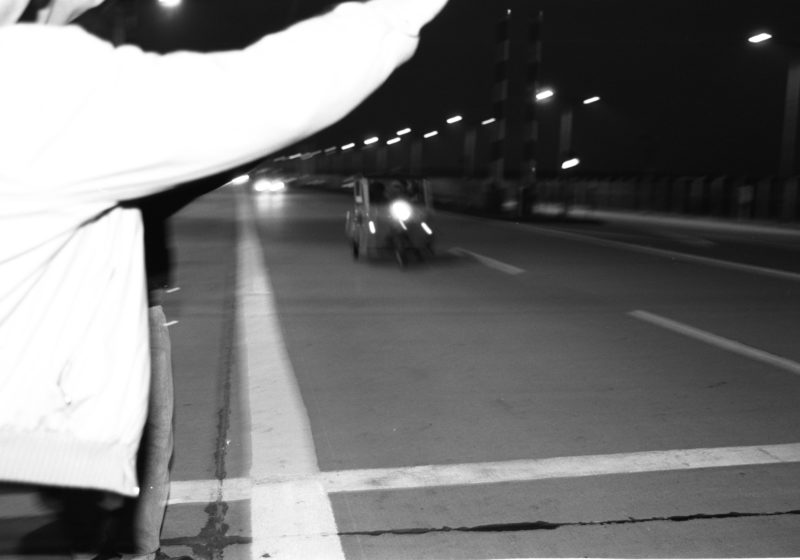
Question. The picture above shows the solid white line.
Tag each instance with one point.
(558, 467)
(294, 519)
(718, 341)
(525, 470)
(279, 502)
(487, 261)
(740, 267)
(686, 239)
(171, 323)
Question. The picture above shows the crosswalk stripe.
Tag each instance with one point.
(525, 470)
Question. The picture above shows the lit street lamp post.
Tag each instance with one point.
(791, 107)
(565, 128)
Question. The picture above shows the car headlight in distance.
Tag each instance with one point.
(400, 210)
(269, 185)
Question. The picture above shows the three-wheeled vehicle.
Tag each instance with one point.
(390, 214)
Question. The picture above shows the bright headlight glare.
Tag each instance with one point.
(269, 185)
(400, 210)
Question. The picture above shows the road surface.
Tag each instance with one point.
(603, 386)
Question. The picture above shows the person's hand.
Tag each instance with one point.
(409, 15)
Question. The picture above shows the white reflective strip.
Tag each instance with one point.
(361, 480)
(290, 520)
(557, 467)
(718, 341)
(487, 261)
(686, 257)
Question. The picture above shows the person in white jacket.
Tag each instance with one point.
(88, 126)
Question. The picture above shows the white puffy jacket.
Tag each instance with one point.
(86, 126)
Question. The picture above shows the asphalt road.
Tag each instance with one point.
(603, 386)
(521, 342)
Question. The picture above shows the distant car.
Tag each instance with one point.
(390, 214)
(268, 184)
(268, 180)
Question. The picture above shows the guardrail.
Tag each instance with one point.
(769, 199)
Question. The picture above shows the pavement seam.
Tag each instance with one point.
(548, 526)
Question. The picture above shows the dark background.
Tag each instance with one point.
(682, 90)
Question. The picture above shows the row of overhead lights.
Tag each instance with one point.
(374, 140)
(542, 95)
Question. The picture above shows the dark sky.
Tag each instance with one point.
(683, 92)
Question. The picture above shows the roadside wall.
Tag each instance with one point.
(722, 197)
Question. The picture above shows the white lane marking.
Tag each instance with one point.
(171, 323)
(686, 239)
(753, 269)
(558, 467)
(294, 519)
(173, 290)
(524, 470)
(487, 261)
(718, 341)
(279, 497)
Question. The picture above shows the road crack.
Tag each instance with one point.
(548, 526)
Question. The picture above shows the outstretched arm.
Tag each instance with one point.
(139, 123)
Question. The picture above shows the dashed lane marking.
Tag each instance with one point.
(487, 261)
(525, 470)
(718, 341)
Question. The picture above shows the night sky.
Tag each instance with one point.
(683, 91)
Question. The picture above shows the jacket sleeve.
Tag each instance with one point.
(137, 123)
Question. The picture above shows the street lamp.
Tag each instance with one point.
(565, 128)
(760, 38)
(169, 4)
(790, 107)
(570, 163)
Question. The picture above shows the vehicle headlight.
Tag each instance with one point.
(277, 186)
(400, 210)
(269, 185)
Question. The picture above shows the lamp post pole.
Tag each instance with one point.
(787, 165)
(790, 120)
